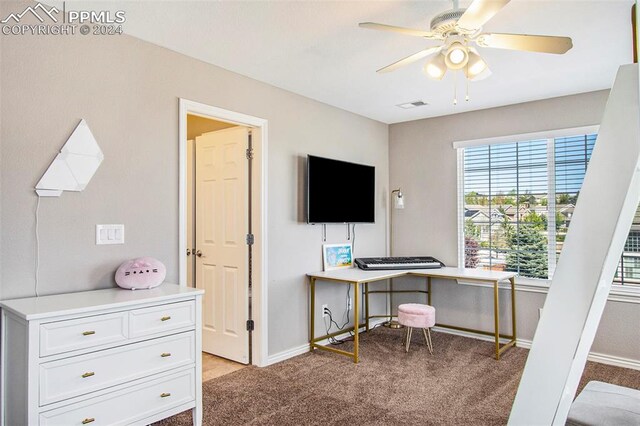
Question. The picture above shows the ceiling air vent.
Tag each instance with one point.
(414, 104)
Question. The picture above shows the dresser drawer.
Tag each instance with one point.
(69, 335)
(159, 319)
(129, 405)
(70, 377)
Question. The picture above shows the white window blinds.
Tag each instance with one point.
(516, 202)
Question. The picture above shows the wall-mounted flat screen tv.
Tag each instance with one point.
(340, 192)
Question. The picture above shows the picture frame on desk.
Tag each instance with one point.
(337, 256)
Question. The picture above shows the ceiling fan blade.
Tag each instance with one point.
(401, 30)
(479, 12)
(530, 43)
(409, 59)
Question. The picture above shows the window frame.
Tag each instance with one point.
(619, 292)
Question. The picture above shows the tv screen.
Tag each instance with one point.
(339, 192)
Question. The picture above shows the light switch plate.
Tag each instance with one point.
(109, 234)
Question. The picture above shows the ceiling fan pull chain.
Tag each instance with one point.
(466, 98)
(455, 88)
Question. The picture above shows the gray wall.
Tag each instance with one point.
(128, 92)
(423, 161)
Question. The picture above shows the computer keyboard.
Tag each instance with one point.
(409, 262)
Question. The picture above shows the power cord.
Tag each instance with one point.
(353, 240)
(347, 320)
(347, 308)
(333, 340)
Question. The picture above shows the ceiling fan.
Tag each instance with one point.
(458, 28)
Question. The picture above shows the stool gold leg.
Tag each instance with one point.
(430, 342)
(426, 339)
(409, 332)
(406, 338)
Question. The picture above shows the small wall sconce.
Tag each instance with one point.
(398, 198)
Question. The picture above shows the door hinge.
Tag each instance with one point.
(249, 153)
(250, 325)
(250, 239)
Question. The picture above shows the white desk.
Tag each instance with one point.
(355, 277)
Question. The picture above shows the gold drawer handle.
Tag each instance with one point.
(165, 354)
(167, 318)
(88, 333)
(89, 420)
(88, 374)
(165, 394)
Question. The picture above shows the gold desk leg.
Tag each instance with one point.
(513, 307)
(429, 291)
(496, 318)
(356, 321)
(366, 305)
(390, 299)
(312, 314)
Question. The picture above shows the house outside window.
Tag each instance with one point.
(516, 199)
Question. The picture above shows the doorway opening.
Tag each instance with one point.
(222, 244)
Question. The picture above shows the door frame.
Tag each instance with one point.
(259, 343)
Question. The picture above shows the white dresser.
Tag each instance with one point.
(104, 357)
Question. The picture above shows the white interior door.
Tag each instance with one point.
(221, 228)
(191, 217)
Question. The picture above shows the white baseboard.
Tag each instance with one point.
(616, 361)
(467, 334)
(521, 343)
(299, 350)
(285, 355)
(526, 344)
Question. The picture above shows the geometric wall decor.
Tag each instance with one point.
(74, 166)
(586, 268)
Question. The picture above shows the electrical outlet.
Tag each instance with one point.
(324, 311)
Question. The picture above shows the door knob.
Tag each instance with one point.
(199, 253)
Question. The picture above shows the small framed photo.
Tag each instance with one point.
(337, 256)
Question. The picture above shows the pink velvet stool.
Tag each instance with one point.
(415, 315)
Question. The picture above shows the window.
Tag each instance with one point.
(629, 267)
(516, 200)
(507, 208)
(571, 158)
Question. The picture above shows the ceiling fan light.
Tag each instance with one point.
(457, 56)
(475, 66)
(486, 72)
(436, 67)
(434, 72)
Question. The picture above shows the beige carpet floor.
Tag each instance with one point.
(461, 384)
